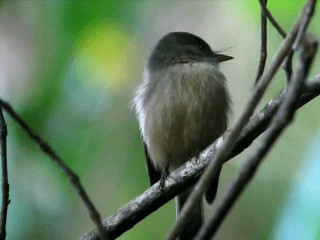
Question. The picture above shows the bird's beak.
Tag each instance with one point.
(222, 58)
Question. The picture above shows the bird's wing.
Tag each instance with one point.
(154, 174)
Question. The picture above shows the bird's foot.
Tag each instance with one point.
(164, 177)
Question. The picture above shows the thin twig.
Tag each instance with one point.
(272, 20)
(282, 119)
(153, 198)
(304, 24)
(287, 64)
(223, 152)
(73, 178)
(263, 47)
(5, 181)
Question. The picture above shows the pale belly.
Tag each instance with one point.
(185, 115)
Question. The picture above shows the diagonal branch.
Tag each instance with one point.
(215, 164)
(153, 198)
(304, 24)
(5, 181)
(272, 20)
(282, 119)
(73, 178)
(287, 64)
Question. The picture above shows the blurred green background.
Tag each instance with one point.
(70, 69)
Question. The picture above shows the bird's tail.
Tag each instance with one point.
(195, 221)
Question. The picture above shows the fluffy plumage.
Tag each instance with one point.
(182, 106)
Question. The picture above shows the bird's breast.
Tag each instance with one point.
(184, 112)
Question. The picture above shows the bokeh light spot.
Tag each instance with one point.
(104, 49)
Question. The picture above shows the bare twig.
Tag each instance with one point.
(223, 152)
(304, 24)
(153, 198)
(5, 181)
(282, 119)
(272, 20)
(287, 64)
(73, 178)
(263, 47)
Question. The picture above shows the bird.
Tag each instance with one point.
(182, 107)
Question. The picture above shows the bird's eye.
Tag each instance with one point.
(200, 47)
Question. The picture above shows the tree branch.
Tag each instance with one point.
(153, 198)
(272, 20)
(5, 181)
(309, 11)
(283, 118)
(213, 168)
(73, 178)
(287, 64)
